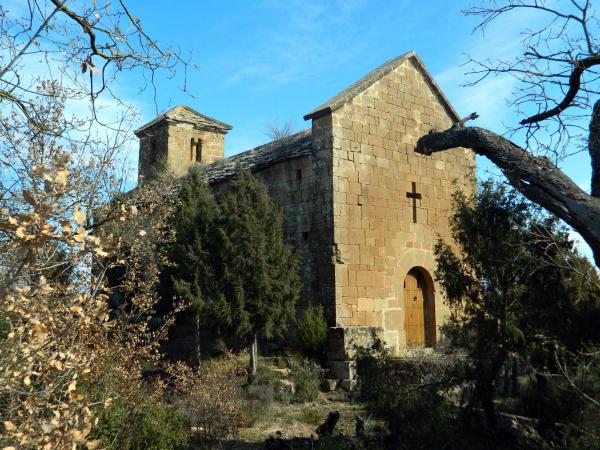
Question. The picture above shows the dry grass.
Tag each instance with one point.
(286, 421)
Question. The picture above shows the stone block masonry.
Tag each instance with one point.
(363, 209)
(374, 172)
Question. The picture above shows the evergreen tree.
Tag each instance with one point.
(259, 283)
(515, 285)
(194, 255)
(231, 261)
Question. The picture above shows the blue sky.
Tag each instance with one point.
(265, 61)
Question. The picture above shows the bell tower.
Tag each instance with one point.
(178, 139)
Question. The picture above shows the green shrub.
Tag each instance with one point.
(151, 425)
(307, 377)
(312, 331)
(309, 416)
(266, 376)
(408, 397)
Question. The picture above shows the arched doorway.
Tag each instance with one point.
(419, 309)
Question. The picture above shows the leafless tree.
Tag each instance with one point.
(63, 130)
(559, 83)
(276, 131)
(59, 65)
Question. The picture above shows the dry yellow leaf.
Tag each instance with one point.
(40, 330)
(77, 435)
(76, 309)
(93, 445)
(27, 381)
(142, 233)
(9, 426)
(42, 172)
(80, 236)
(58, 365)
(20, 232)
(48, 428)
(99, 252)
(61, 177)
(66, 226)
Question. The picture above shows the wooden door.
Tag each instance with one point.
(414, 309)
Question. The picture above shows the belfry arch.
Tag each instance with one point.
(419, 309)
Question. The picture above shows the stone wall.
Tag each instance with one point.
(374, 166)
(291, 186)
(303, 190)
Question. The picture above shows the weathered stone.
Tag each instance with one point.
(343, 369)
(349, 385)
(342, 186)
(330, 384)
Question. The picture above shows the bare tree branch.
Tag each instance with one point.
(574, 85)
(535, 177)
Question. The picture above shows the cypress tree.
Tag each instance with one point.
(192, 276)
(515, 286)
(260, 284)
(232, 263)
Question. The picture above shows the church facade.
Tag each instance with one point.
(364, 210)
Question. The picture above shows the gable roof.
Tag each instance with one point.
(368, 80)
(185, 114)
(295, 146)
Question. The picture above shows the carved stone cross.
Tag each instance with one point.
(414, 195)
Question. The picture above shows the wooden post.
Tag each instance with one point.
(254, 356)
(197, 339)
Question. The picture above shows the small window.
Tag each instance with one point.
(199, 151)
(299, 174)
(305, 235)
(153, 156)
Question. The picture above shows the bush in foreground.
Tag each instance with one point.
(312, 332)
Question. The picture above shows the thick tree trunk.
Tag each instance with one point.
(483, 391)
(253, 356)
(594, 149)
(537, 178)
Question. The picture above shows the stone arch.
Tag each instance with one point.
(419, 308)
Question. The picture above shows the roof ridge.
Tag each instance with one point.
(371, 78)
(290, 147)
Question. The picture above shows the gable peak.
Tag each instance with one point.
(375, 75)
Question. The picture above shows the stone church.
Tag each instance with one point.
(362, 207)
